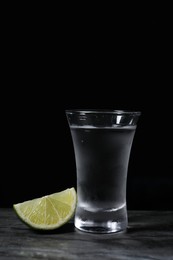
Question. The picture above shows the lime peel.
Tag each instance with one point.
(48, 212)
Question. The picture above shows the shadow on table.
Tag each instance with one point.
(151, 221)
(66, 228)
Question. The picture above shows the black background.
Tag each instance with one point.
(58, 58)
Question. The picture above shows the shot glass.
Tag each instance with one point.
(102, 141)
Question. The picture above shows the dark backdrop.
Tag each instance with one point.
(77, 59)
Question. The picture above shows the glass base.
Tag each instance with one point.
(109, 221)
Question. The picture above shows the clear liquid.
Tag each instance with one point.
(102, 157)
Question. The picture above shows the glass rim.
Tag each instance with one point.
(103, 111)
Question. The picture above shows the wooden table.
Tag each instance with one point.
(149, 236)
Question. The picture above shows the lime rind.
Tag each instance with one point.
(48, 212)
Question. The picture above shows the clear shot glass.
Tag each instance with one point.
(102, 141)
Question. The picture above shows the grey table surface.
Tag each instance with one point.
(149, 236)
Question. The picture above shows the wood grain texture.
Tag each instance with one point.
(149, 236)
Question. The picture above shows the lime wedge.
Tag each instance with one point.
(48, 212)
